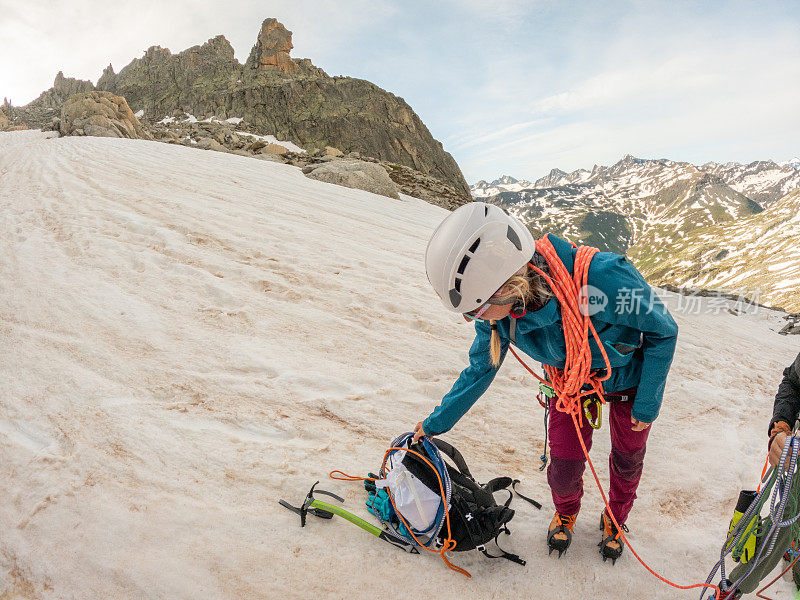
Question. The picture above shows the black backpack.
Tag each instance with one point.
(475, 517)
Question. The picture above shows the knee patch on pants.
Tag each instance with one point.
(565, 475)
(627, 465)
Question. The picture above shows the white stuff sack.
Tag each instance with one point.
(418, 504)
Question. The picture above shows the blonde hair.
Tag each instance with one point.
(527, 288)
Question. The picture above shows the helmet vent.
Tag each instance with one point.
(462, 265)
(458, 284)
(486, 211)
(474, 246)
(513, 238)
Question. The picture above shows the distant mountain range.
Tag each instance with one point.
(723, 226)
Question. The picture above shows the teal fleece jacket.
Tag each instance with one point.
(634, 326)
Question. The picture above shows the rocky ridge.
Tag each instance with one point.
(274, 93)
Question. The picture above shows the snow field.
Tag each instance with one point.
(188, 336)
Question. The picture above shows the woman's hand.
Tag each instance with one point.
(638, 425)
(776, 448)
(418, 433)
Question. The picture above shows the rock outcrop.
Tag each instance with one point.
(357, 174)
(100, 114)
(793, 326)
(271, 52)
(63, 88)
(285, 97)
(275, 94)
(5, 122)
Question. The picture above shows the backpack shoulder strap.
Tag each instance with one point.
(498, 483)
(454, 455)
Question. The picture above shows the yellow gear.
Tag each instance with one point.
(746, 548)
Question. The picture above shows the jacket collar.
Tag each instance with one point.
(550, 313)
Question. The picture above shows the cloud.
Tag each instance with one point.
(678, 94)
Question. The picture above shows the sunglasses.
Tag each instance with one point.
(478, 312)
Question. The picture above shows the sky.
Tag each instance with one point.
(512, 87)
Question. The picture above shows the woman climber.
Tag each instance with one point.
(485, 264)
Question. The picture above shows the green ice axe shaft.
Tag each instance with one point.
(324, 510)
(365, 525)
(355, 520)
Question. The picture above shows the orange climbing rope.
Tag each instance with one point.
(569, 382)
(763, 472)
(449, 542)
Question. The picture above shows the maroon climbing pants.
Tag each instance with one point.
(567, 462)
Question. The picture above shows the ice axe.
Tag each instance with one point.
(325, 510)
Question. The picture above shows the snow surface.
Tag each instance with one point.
(188, 336)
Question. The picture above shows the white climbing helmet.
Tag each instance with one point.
(473, 252)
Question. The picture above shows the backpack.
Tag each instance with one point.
(415, 509)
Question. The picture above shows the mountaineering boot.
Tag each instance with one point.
(611, 546)
(559, 535)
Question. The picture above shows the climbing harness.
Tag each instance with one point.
(577, 380)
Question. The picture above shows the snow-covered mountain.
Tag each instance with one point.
(794, 163)
(759, 254)
(612, 207)
(763, 181)
(647, 208)
(505, 183)
(189, 336)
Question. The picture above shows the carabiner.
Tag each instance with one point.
(587, 403)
